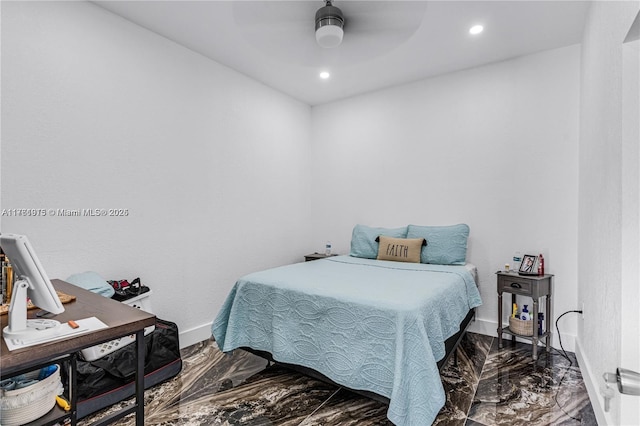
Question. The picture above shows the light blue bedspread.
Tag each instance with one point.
(366, 324)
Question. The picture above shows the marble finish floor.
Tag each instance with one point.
(488, 386)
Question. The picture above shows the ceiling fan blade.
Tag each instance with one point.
(274, 14)
(372, 16)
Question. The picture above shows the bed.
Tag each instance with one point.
(377, 326)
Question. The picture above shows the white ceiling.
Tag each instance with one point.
(385, 43)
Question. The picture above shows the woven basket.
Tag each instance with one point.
(518, 326)
(20, 406)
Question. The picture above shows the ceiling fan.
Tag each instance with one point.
(297, 29)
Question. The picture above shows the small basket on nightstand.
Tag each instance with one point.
(522, 327)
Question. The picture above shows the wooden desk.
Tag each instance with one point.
(121, 320)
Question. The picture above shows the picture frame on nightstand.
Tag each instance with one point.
(529, 265)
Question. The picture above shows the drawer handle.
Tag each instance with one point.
(516, 285)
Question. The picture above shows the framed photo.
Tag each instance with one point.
(529, 265)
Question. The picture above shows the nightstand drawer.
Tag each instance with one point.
(515, 284)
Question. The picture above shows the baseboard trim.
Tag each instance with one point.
(195, 335)
(481, 326)
(591, 382)
(485, 327)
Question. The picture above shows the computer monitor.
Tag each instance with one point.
(31, 281)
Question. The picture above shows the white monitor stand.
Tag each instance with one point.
(21, 328)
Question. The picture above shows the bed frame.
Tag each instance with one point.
(451, 344)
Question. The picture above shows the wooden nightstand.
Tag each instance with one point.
(316, 256)
(535, 287)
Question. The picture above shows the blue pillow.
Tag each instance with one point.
(363, 239)
(446, 245)
(93, 282)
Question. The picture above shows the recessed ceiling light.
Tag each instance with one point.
(324, 75)
(476, 29)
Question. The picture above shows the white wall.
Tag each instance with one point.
(494, 147)
(100, 113)
(606, 204)
(630, 294)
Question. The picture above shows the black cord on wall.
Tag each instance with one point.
(564, 354)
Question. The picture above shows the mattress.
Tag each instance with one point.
(366, 324)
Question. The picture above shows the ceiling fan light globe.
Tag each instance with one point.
(329, 36)
(329, 24)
